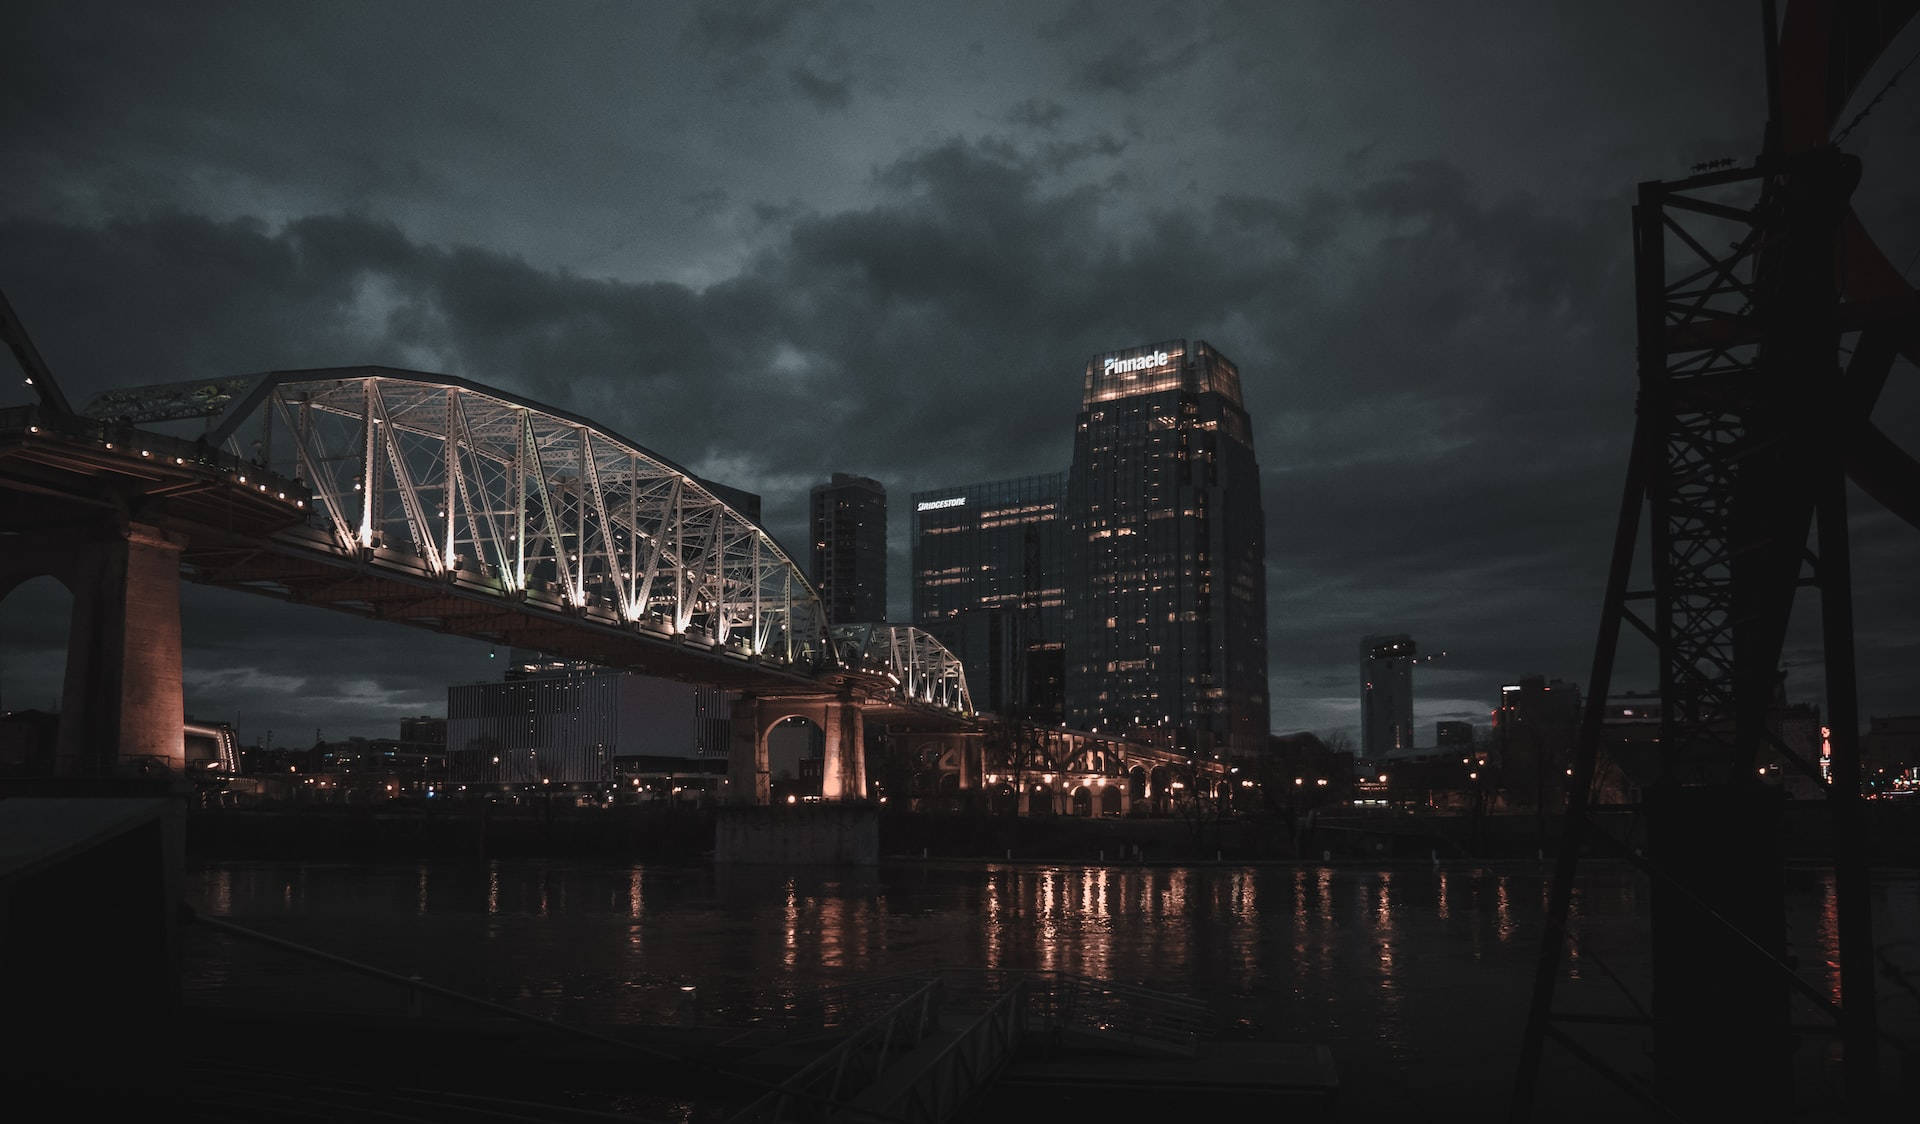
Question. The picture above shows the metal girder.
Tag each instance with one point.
(471, 483)
(923, 669)
(166, 402)
(1749, 281)
(45, 386)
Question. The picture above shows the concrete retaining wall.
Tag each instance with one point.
(827, 834)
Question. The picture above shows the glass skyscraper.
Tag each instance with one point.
(1386, 694)
(847, 517)
(989, 577)
(1167, 612)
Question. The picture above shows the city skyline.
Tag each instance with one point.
(772, 243)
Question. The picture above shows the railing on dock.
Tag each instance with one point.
(965, 1066)
(846, 1070)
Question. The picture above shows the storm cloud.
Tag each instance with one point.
(776, 241)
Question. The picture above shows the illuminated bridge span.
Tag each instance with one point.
(923, 669)
(451, 498)
(433, 501)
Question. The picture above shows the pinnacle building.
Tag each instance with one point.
(1167, 601)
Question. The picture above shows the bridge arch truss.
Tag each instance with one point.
(465, 482)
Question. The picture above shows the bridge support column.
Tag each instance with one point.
(833, 766)
(843, 774)
(857, 751)
(749, 780)
(121, 708)
(973, 760)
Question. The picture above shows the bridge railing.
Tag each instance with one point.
(132, 442)
(836, 1077)
(966, 1066)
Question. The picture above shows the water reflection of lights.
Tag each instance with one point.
(831, 931)
(1830, 934)
(792, 929)
(990, 894)
(1383, 923)
(1049, 934)
(1311, 947)
(1176, 896)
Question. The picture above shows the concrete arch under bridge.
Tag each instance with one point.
(843, 771)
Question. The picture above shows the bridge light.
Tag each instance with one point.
(243, 479)
(145, 453)
(179, 460)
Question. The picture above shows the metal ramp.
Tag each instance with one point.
(914, 1063)
(953, 1035)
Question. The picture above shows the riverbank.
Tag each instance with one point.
(641, 833)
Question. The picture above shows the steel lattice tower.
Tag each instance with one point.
(1767, 323)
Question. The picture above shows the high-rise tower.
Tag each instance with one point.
(1386, 695)
(989, 580)
(1167, 590)
(848, 519)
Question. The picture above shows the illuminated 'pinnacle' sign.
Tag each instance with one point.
(936, 505)
(1117, 366)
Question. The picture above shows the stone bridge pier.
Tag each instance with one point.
(121, 711)
(843, 773)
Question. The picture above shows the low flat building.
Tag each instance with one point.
(570, 727)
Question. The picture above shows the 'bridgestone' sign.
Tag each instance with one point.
(936, 505)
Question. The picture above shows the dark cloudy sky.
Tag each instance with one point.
(772, 241)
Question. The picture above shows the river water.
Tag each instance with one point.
(1416, 977)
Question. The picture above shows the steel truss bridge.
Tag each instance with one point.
(437, 502)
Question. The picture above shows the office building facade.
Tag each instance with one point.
(1386, 695)
(1167, 611)
(848, 521)
(989, 582)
